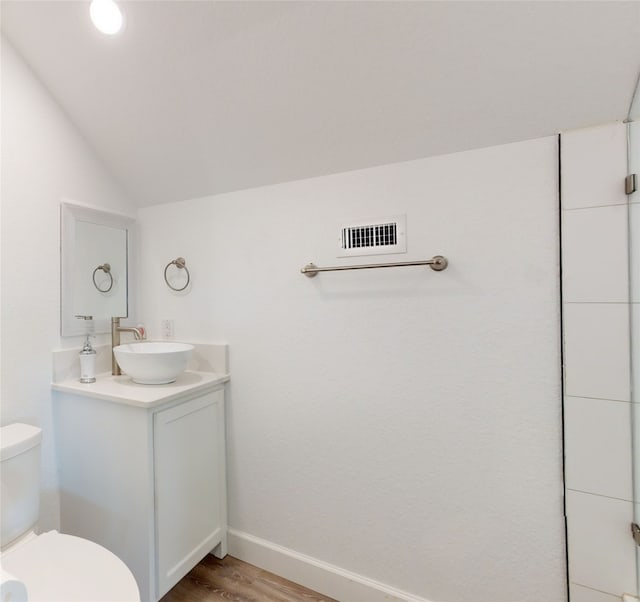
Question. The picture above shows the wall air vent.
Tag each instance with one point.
(374, 237)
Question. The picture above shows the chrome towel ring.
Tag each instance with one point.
(180, 263)
(106, 268)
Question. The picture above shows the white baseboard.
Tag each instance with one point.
(317, 575)
(629, 598)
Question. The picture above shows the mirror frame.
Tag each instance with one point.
(70, 214)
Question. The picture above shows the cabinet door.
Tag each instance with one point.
(189, 485)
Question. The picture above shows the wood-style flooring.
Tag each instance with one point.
(231, 579)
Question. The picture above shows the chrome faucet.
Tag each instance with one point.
(116, 329)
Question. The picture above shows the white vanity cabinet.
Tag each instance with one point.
(189, 474)
(145, 479)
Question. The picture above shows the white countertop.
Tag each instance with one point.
(121, 389)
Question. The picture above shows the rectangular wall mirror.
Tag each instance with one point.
(97, 251)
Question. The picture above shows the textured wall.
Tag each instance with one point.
(44, 159)
(401, 424)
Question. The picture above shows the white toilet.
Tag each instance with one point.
(52, 566)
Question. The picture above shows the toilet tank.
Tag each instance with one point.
(20, 474)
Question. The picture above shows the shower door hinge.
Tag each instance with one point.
(635, 531)
(630, 184)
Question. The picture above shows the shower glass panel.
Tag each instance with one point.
(634, 298)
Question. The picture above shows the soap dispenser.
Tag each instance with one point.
(88, 354)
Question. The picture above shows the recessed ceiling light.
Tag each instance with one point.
(106, 16)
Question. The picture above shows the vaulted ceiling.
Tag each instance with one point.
(197, 98)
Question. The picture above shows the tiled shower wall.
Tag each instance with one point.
(597, 402)
(634, 272)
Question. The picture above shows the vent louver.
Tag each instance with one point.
(370, 236)
(374, 237)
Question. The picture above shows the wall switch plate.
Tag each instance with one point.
(167, 331)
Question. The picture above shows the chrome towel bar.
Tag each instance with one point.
(437, 263)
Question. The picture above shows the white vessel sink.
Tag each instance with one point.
(153, 363)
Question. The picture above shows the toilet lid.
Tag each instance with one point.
(63, 568)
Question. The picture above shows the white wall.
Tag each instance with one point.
(44, 159)
(597, 379)
(400, 424)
